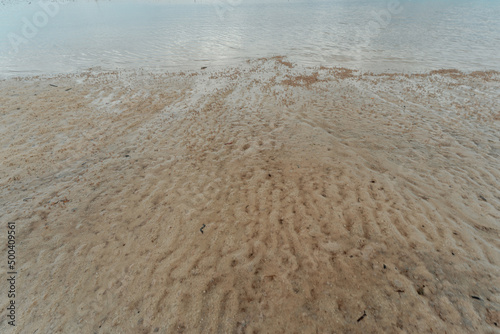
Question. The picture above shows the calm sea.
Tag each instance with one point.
(40, 37)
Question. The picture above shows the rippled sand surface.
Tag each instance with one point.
(330, 201)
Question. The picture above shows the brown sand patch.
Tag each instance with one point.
(302, 80)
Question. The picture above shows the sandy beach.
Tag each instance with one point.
(261, 198)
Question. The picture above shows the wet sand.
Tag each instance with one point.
(330, 201)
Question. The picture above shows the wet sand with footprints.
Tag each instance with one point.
(262, 198)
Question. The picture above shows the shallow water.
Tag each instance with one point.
(414, 36)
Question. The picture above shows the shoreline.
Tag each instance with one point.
(243, 64)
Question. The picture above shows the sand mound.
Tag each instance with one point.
(331, 201)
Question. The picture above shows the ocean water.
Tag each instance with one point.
(44, 37)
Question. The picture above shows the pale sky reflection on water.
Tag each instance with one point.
(421, 35)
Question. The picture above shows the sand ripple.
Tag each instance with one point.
(325, 194)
